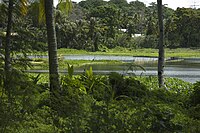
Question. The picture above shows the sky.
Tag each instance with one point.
(171, 3)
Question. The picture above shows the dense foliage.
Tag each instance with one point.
(89, 102)
(109, 24)
(92, 103)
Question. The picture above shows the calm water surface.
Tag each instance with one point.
(187, 69)
(184, 71)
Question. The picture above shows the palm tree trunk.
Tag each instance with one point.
(8, 45)
(52, 46)
(161, 60)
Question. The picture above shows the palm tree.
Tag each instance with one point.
(8, 67)
(161, 57)
(47, 9)
(52, 45)
(8, 36)
(7, 44)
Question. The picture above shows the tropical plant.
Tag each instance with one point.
(8, 45)
(11, 6)
(52, 45)
(47, 7)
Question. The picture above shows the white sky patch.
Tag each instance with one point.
(55, 2)
(171, 3)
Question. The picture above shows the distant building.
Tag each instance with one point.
(123, 30)
(133, 35)
(3, 34)
(137, 35)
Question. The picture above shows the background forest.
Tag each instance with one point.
(94, 24)
(90, 103)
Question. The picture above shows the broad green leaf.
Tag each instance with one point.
(23, 6)
(70, 70)
(65, 6)
(41, 11)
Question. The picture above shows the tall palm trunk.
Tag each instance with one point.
(161, 59)
(7, 67)
(52, 46)
(8, 45)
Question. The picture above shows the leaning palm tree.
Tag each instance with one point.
(8, 37)
(161, 57)
(46, 12)
(22, 4)
(8, 68)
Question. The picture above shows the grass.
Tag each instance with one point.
(179, 52)
(115, 51)
(43, 63)
(183, 52)
(39, 64)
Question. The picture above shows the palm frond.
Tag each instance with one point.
(23, 6)
(41, 11)
(65, 6)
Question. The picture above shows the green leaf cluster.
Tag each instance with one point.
(94, 103)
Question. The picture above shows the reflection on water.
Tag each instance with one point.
(189, 72)
(100, 57)
(110, 57)
(187, 69)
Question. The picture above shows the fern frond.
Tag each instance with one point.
(42, 11)
(65, 6)
(23, 5)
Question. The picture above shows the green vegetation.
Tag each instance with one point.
(179, 52)
(92, 103)
(108, 25)
(43, 63)
(35, 103)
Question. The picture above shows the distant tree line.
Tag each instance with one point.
(96, 24)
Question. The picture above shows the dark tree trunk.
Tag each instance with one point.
(7, 67)
(8, 44)
(161, 58)
(52, 46)
(96, 39)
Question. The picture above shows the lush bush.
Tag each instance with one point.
(93, 103)
(195, 96)
(137, 42)
(194, 101)
(151, 41)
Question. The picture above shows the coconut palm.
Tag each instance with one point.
(46, 12)
(52, 44)
(22, 4)
(8, 36)
(161, 57)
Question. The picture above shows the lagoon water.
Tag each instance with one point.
(187, 73)
(109, 57)
(187, 69)
(100, 57)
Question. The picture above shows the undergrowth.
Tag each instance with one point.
(92, 103)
